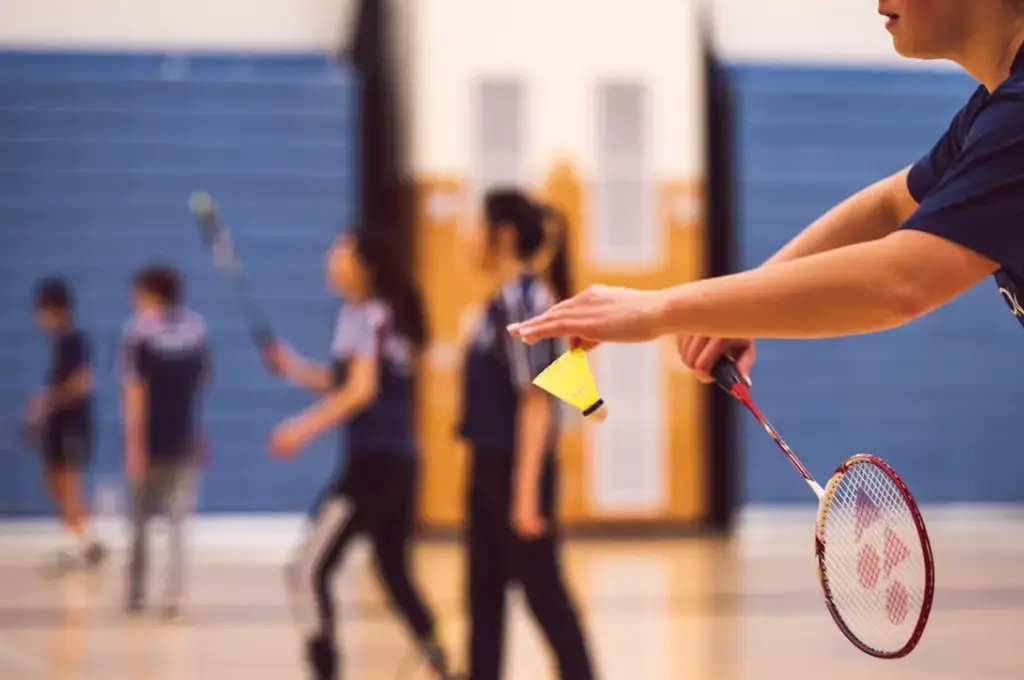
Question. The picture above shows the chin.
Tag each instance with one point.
(914, 50)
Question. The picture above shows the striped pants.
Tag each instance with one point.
(167, 486)
(375, 498)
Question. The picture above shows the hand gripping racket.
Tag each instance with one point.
(218, 241)
(874, 557)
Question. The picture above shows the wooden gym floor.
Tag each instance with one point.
(744, 609)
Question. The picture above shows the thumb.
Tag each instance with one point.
(745, 362)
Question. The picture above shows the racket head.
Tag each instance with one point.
(875, 559)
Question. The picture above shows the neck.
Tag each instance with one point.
(508, 270)
(989, 54)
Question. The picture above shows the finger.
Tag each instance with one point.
(745, 362)
(558, 328)
(556, 312)
(693, 350)
(682, 344)
(582, 343)
(709, 356)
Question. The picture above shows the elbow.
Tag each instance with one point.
(363, 397)
(907, 300)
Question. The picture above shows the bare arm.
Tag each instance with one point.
(340, 404)
(870, 214)
(851, 290)
(309, 376)
(135, 396)
(534, 421)
(75, 388)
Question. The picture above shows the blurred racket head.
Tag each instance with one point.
(874, 558)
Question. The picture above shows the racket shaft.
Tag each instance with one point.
(729, 378)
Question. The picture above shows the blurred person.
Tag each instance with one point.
(884, 257)
(60, 418)
(369, 387)
(166, 365)
(511, 428)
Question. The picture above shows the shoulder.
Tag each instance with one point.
(377, 312)
(1000, 118)
(194, 323)
(139, 327)
(374, 313)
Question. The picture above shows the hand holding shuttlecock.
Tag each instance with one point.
(569, 379)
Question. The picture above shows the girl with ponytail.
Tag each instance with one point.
(368, 387)
(511, 427)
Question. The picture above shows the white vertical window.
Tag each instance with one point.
(628, 450)
(625, 233)
(499, 134)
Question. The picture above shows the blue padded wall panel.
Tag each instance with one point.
(98, 154)
(937, 398)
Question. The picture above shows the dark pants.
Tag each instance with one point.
(377, 496)
(498, 557)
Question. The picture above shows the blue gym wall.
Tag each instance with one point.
(939, 398)
(98, 154)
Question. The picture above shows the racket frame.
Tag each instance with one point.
(820, 550)
(218, 241)
(729, 378)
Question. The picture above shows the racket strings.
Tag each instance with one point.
(873, 567)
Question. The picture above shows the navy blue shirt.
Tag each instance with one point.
(970, 186)
(69, 354)
(170, 356)
(498, 368)
(367, 331)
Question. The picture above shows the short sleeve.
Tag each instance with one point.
(926, 173)
(979, 202)
(359, 329)
(527, 361)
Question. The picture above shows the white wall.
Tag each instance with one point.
(460, 41)
(265, 25)
(790, 30)
(837, 31)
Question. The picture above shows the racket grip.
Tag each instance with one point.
(263, 338)
(727, 374)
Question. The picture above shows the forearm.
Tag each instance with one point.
(310, 376)
(335, 408)
(534, 421)
(134, 420)
(74, 389)
(848, 291)
(871, 214)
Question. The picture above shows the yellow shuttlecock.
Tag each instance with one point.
(569, 378)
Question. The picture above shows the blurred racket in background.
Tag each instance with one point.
(874, 557)
(218, 241)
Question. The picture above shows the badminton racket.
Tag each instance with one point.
(874, 557)
(218, 241)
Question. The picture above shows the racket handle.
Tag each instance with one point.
(726, 374)
(262, 337)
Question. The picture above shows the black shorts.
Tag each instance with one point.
(67, 449)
